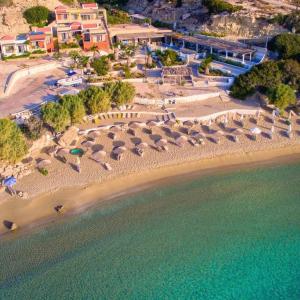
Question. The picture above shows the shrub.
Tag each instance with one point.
(96, 100)
(56, 116)
(219, 6)
(37, 15)
(74, 105)
(262, 77)
(287, 45)
(100, 65)
(68, 46)
(169, 57)
(120, 92)
(12, 143)
(282, 96)
(116, 16)
(33, 128)
(205, 64)
(43, 171)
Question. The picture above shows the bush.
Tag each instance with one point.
(68, 46)
(100, 65)
(74, 105)
(43, 171)
(33, 128)
(115, 16)
(96, 100)
(169, 57)
(56, 116)
(290, 70)
(12, 143)
(37, 15)
(205, 64)
(287, 45)
(219, 6)
(120, 92)
(262, 77)
(282, 96)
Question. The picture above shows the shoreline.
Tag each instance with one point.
(39, 211)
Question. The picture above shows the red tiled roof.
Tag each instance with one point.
(88, 26)
(7, 38)
(89, 5)
(37, 37)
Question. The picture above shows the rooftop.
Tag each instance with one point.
(216, 43)
(128, 29)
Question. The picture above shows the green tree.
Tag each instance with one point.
(100, 65)
(121, 92)
(74, 105)
(99, 102)
(262, 77)
(36, 15)
(33, 128)
(56, 116)
(13, 146)
(291, 73)
(282, 96)
(286, 44)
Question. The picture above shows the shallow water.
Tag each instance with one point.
(228, 236)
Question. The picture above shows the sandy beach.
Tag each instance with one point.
(76, 192)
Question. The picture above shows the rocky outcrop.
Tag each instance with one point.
(251, 21)
(240, 25)
(19, 170)
(11, 17)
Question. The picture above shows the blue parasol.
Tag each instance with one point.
(10, 181)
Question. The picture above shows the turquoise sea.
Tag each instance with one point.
(234, 235)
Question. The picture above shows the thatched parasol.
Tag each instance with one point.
(171, 123)
(97, 156)
(188, 123)
(115, 129)
(94, 134)
(88, 144)
(143, 145)
(181, 140)
(152, 124)
(161, 142)
(119, 150)
(43, 163)
(137, 125)
(63, 151)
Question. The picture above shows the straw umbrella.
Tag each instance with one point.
(143, 145)
(171, 123)
(119, 151)
(43, 163)
(236, 133)
(180, 141)
(115, 129)
(63, 152)
(161, 144)
(135, 125)
(218, 135)
(94, 134)
(88, 144)
(97, 156)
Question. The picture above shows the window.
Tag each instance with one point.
(9, 49)
(74, 16)
(64, 36)
(99, 38)
(86, 37)
(65, 16)
(20, 49)
(85, 17)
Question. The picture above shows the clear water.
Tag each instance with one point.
(229, 236)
